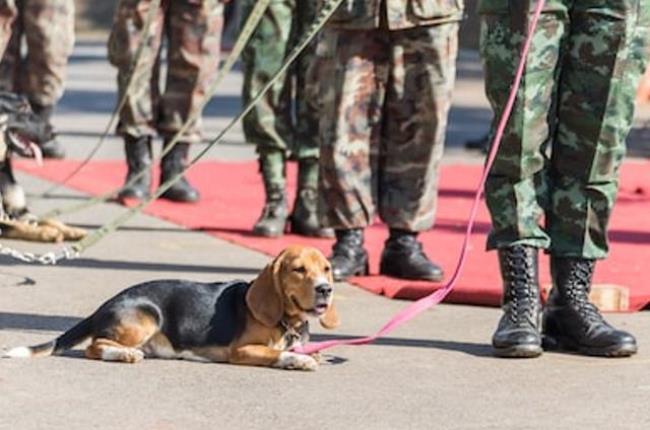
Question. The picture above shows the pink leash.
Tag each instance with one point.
(416, 308)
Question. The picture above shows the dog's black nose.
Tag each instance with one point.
(324, 289)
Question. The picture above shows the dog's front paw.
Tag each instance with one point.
(293, 361)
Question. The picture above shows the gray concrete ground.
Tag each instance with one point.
(436, 372)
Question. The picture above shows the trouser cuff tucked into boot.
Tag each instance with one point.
(138, 161)
(172, 164)
(304, 217)
(273, 219)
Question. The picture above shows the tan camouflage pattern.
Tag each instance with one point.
(47, 26)
(395, 14)
(562, 149)
(192, 29)
(384, 114)
(8, 13)
(285, 119)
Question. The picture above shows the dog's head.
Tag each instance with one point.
(20, 126)
(297, 283)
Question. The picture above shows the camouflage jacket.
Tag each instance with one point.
(399, 14)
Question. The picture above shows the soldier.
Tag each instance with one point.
(192, 29)
(576, 99)
(271, 126)
(48, 28)
(383, 126)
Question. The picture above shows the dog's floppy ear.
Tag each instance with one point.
(264, 298)
(330, 319)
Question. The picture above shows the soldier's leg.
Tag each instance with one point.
(268, 126)
(305, 145)
(606, 56)
(138, 114)
(417, 103)
(11, 60)
(194, 35)
(8, 14)
(350, 128)
(516, 189)
(49, 31)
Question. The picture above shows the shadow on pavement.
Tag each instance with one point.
(475, 349)
(17, 321)
(89, 263)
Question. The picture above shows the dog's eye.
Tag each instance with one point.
(299, 269)
(327, 269)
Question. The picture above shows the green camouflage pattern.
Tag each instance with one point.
(560, 156)
(395, 14)
(47, 26)
(285, 119)
(192, 29)
(384, 115)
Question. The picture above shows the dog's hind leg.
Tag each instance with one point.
(123, 341)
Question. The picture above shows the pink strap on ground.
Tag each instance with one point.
(416, 308)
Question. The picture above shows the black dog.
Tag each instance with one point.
(20, 130)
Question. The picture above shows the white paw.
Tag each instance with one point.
(134, 355)
(293, 361)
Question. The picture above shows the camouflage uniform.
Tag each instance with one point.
(576, 98)
(270, 125)
(48, 27)
(193, 30)
(384, 116)
(8, 14)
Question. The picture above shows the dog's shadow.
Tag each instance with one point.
(56, 324)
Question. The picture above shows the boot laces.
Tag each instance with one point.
(577, 293)
(522, 295)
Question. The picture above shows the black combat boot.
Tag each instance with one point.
(517, 334)
(273, 220)
(172, 164)
(404, 258)
(304, 218)
(138, 160)
(348, 258)
(51, 148)
(571, 322)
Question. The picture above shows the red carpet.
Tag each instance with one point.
(232, 198)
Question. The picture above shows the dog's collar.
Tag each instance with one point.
(293, 334)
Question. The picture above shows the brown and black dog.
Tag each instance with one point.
(237, 322)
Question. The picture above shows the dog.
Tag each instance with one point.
(20, 130)
(237, 322)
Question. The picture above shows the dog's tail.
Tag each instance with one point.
(67, 340)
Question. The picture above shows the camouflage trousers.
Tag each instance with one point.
(285, 119)
(192, 29)
(48, 28)
(384, 114)
(565, 140)
(8, 14)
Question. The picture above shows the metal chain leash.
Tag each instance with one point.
(78, 248)
(247, 31)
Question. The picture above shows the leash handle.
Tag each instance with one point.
(419, 306)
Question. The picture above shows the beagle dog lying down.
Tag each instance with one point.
(235, 322)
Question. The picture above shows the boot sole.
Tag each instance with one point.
(563, 344)
(518, 351)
